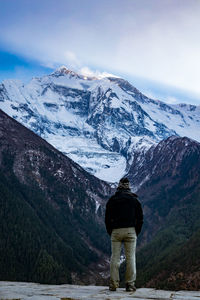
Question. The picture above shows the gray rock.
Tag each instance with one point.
(34, 291)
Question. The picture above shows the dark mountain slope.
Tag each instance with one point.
(169, 188)
(166, 178)
(178, 269)
(51, 221)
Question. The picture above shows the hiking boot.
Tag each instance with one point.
(130, 288)
(112, 288)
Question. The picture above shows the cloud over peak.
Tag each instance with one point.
(152, 39)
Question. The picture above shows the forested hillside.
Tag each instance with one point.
(171, 264)
(51, 223)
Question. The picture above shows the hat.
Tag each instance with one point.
(123, 183)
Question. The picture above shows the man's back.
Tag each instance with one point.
(123, 219)
(123, 210)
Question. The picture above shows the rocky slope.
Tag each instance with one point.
(51, 222)
(165, 176)
(100, 123)
(168, 183)
(165, 161)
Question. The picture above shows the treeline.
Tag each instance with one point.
(172, 259)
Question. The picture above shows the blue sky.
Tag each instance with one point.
(152, 43)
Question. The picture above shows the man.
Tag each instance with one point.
(123, 219)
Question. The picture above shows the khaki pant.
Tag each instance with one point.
(128, 237)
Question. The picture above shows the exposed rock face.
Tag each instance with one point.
(51, 210)
(100, 123)
(165, 176)
(166, 161)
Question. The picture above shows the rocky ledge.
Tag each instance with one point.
(34, 291)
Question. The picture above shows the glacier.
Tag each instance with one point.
(99, 123)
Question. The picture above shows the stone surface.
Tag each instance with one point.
(34, 291)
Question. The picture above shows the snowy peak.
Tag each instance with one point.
(64, 71)
(126, 86)
(100, 123)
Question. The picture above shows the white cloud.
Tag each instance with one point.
(153, 39)
(166, 50)
(166, 99)
(71, 58)
(150, 94)
(88, 72)
(171, 100)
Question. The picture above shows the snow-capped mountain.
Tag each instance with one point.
(99, 123)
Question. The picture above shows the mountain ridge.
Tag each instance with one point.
(167, 181)
(51, 212)
(100, 123)
(171, 209)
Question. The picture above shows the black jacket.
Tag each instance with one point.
(123, 210)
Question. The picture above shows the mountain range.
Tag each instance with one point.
(52, 214)
(102, 124)
(52, 209)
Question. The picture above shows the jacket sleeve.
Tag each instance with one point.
(139, 218)
(108, 218)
